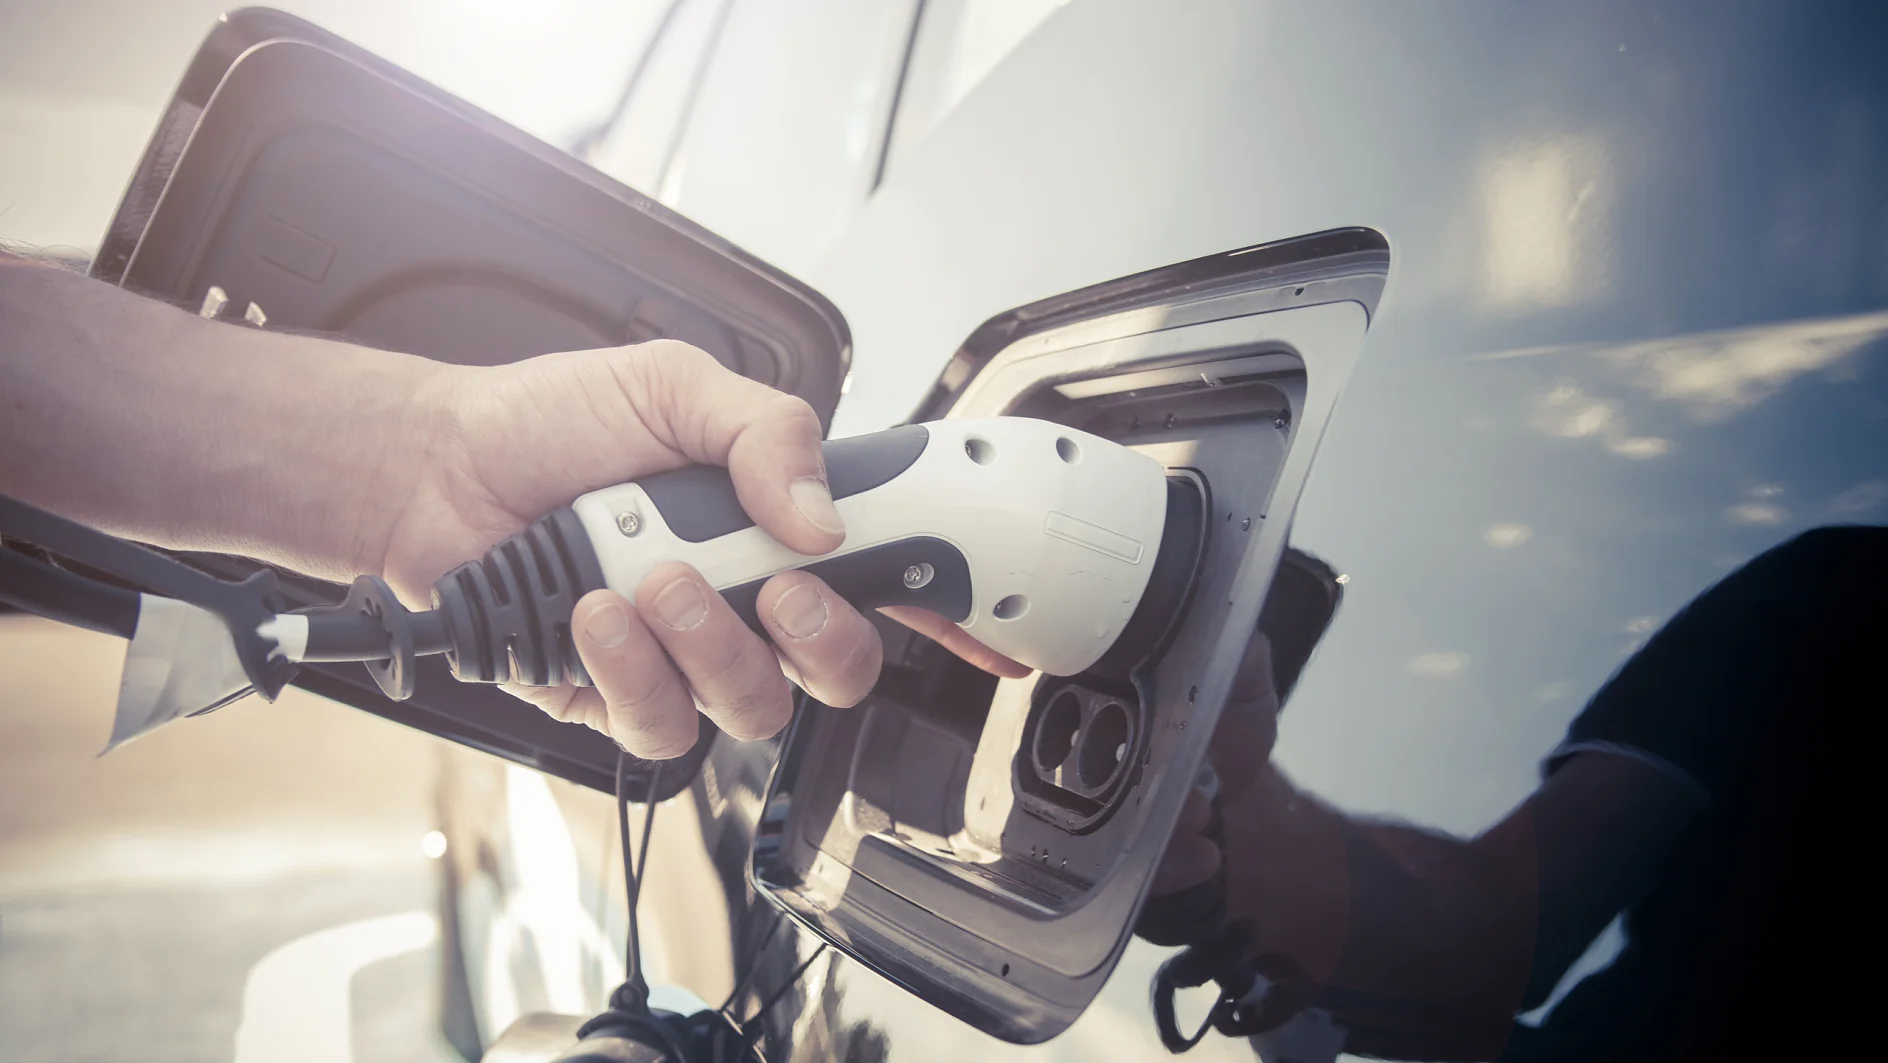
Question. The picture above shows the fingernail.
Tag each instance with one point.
(607, 625)
(800, 612)
(814, 501)
(681, 606)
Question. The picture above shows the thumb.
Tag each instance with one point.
(769, 441)
(1190, 858)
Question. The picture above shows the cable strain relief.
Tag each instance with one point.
(371, 597)
(507, 615)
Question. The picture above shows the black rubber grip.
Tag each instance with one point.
(876, 576)
(698, 502)
(507, 615)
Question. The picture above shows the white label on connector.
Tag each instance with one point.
(1094, 536)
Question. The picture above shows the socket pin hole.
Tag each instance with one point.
(1067, 450)
(1104, 744)
(1055, 735)
(981, 451)
(1011, 607)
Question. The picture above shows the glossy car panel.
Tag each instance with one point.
(1633, 336)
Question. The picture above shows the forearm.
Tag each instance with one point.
(1428, 935)
(1439, 941)
(147, 421)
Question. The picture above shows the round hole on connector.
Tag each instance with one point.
(981, 451)
(1055, 732)
(1011, 607)
(1067, 450)
(1108, 732)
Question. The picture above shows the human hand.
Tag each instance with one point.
(333, 459)
(1240, 755)
(1280, 852)
(501, 446)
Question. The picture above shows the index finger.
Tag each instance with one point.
(956, 639)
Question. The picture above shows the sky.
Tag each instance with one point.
(82, 82)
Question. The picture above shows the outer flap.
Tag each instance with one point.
(340, 194)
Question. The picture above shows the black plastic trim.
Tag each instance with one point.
(875, 577)
(698, 502)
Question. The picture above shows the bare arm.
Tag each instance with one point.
(1428, 944)
(338, 460)
(150, 422)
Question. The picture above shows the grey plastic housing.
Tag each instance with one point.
(335, 193)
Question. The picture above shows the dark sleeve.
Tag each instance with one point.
(1792, 640)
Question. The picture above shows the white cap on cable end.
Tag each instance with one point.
(289, 632)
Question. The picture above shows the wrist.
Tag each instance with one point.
(404, 432)
(347, 428)
(1288, 873)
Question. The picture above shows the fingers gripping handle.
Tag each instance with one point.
(1036, 538)
(698, 507)
(698, 504)
(507, 615)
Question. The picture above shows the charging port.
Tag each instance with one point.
(1080, 748)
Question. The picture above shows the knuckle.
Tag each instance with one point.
(636, 690)
(759, 712)
(791, 409)
(855, 672)
(663, 369)
(663, 574)
(556, 702)
(665, 742)
(677, 354)
(717, 668)
(591, 713)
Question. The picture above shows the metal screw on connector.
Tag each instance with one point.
(916, 576)
(1280, 423)
(1246, 524)
(628, 523)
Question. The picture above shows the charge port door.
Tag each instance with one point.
(988, 844)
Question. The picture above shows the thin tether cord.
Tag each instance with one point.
(735, 993)
(633, 872)
(633, 869)
(750, 1036)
